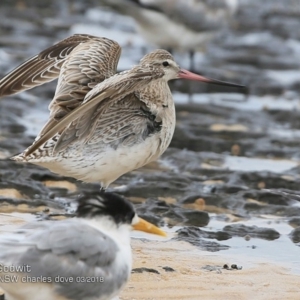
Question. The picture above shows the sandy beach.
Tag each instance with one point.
(263, 281)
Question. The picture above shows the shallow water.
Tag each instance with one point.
(280, 251)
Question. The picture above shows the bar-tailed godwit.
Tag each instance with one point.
(102, 125)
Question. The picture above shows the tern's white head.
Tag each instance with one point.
(113, 212)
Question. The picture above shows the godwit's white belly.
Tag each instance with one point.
(103, 164)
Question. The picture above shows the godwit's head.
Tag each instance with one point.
(161, 61)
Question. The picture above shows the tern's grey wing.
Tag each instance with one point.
(85, 117)
(18, 237)
(76, 253)
(61, 238)
(43, 67)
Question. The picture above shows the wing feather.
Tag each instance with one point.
(41, 68)
(46, 66)
(95, 103)
(90, 63)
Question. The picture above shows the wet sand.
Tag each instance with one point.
(262, 281)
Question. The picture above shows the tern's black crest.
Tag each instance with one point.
(105, 204)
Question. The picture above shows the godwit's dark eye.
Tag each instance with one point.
(165, 63)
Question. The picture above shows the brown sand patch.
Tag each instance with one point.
(11, 193)
(61, 184)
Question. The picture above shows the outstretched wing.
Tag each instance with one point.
(80, 61)
(43, 67)
(89, 63)
(87, 115)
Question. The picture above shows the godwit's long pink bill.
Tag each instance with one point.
(192, 76)
(101, 125)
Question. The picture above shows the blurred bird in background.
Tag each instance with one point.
(178, 25)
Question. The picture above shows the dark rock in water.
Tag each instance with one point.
(194, 236)
(159, 185)
(168, 269)
(252, 231)
(197, 232)
(284, 196)
(232, 189)
(155, 210)
(295, 235)
(46, 175)
(161, 209)
(151, 218)
(270, 180)
(195, 217)
(174, 217)
(155, 206)
(295, 221)
(142, 270)
(270, 197)
(292, 195)
(15, 128)
(282, 117)
(210, 199)
(291, 211)
(278, 210)
(195, 132)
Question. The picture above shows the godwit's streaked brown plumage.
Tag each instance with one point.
(101, 125)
